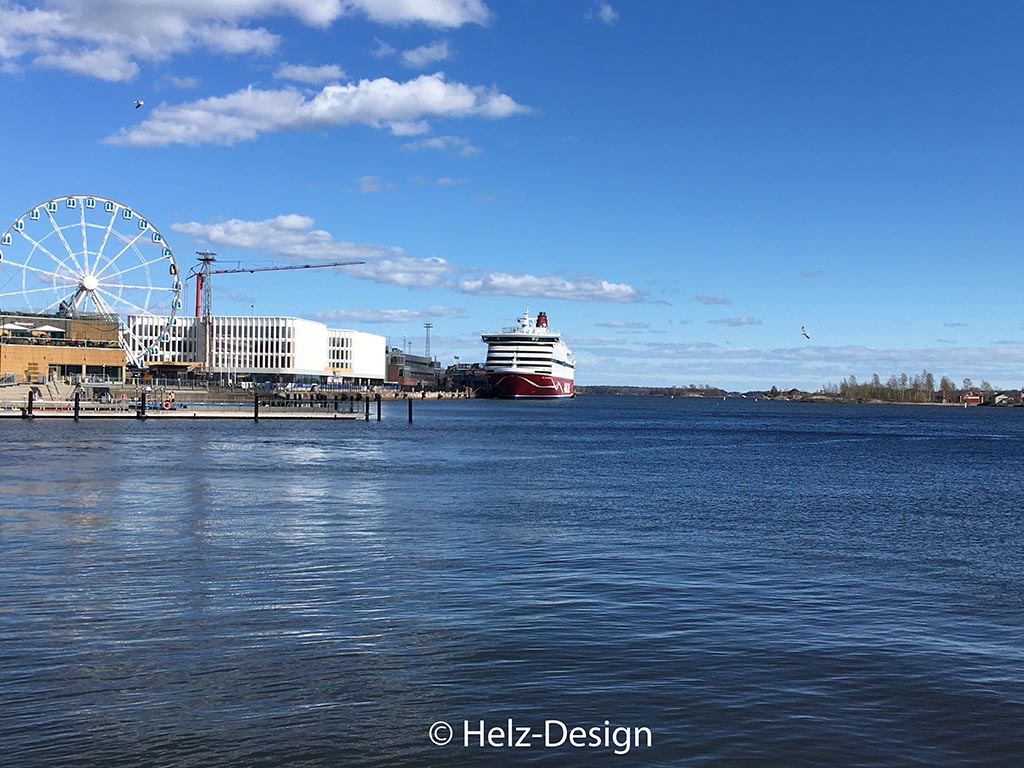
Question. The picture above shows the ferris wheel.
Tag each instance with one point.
(88, 256)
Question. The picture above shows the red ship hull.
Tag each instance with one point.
(533, 386)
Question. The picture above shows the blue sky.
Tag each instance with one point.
(680, 185)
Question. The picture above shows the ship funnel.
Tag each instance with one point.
(542, 320)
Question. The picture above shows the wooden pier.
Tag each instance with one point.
(256, 409)
(184, 412)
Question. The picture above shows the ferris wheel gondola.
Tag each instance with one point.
(89, 256)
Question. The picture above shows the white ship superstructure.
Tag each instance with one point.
(529, 361)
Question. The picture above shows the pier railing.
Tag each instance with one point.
(167, 404)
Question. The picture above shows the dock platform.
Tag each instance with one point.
(206, 412)
(49, 409)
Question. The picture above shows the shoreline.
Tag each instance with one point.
(60, 397)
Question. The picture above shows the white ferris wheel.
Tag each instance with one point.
(88, 256)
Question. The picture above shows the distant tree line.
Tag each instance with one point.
(919, 388)
(690, 391)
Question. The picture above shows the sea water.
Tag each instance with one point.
(607, 581)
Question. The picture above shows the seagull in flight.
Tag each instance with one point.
(139, 103)
(804, 332)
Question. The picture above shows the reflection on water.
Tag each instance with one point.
(757, 583)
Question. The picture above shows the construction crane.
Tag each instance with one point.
(204, 292)
(204, 270)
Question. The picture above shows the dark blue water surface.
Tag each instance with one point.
(756, 583)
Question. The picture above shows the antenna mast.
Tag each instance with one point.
(426, 346)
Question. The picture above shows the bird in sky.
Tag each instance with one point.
(139, 103)
(804, 332)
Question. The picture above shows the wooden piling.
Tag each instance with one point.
(78, 397)
(410, 410)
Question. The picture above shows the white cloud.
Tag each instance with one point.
(625, 324)
(584, 288)
(107, 40)
(103, 63)
(711, 300)
(313, 75)
(406, 271)
(443, 181)
(292, 237)
(438, 13)
(181, 81)
(370, 184)
(457, 144)
(735, 322)
(379, 103)
(386, 315)
(383, 49)
(604, 13)
(409, 128)
(425, 55)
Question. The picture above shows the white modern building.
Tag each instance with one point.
(284, 349)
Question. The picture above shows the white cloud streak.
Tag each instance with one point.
(582, 288)
(380, 103)
(455, 144)
(300, 73)
(426, 55)
(386, 315)
(183, 82)
(625, 324)
(603, 12)
(367, 185)
(735, 322)
(293, 238)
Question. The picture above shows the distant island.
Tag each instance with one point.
(919, 389)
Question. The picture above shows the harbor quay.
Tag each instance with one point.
(130, 402)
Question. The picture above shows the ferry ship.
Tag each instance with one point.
(529, 361)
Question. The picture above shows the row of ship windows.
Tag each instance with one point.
(520, 357)
(520, 361)
(539, 367)
(538, 342)
(521, 347)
